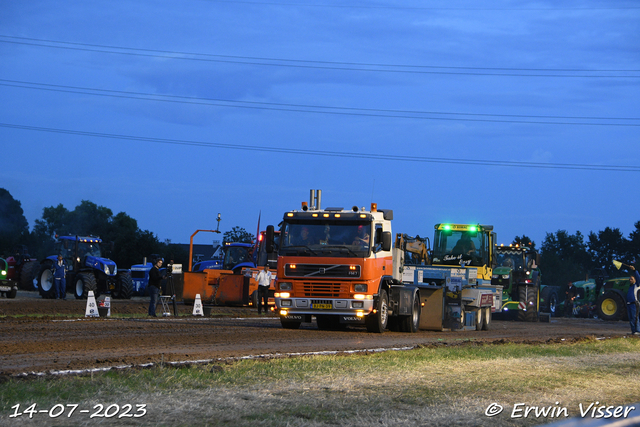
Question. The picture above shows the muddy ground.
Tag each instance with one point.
(40, 336)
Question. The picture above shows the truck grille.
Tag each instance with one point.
(322, 270)
(327, 290)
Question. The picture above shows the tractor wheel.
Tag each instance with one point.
(124, 287)
(486, 319)
(528, 295)
(412, 322)
(552, 304)
(287, 324)
(46, 281)
(377, 322)
(85, 282)
(610, 306)
(28, 273)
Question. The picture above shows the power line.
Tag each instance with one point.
(419, 159)
(323, 109)
(322, 65)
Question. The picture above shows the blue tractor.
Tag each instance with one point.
(235, 257)
(87, 270)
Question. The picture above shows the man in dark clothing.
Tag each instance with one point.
(59, 278)
(155, 277)
(572, 292)
(632, 301)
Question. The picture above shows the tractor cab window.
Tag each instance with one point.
(460, 247)
(330, 238)
(235, 255)
(88, 249)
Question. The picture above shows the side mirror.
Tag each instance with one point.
(269, 238)
(386, 241)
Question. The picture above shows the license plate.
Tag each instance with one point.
(322, 306)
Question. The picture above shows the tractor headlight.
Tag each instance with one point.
(106, 269)
(115, 269)
(285, 286)
(3, 272)
(505, 276)
(495, 276)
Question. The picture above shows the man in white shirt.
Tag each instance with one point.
(264, 281)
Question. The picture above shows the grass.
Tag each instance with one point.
(438, 385)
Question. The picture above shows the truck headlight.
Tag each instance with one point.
(357, 304)
(360, 287)
(285, 286)
(286, 303)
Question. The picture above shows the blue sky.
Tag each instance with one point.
(519, 114)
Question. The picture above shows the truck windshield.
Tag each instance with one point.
(459, 248)
(331, 238)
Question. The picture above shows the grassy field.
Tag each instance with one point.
(440, 385)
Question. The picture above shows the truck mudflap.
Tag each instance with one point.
(293, 317)
(352, 320)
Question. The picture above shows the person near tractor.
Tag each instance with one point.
(571, 294)
(59, 278)
(155, 277)
(264, 281)
(464, 246)
(632, 301)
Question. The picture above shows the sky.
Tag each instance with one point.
(523, 115)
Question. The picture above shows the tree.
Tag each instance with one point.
(632, 250)
(237, 234)
(605, 246)
(564, 258)
(14, 228)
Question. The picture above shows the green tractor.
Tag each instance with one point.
(611, 302)
(518, 274)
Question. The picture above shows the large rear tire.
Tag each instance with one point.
(28, 273)
(46, 281)
(124, 287)
(610, 306)
(377, 321)
(85, 282)
(528, 295)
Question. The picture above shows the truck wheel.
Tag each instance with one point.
(124, 287)
(45, 281)
(479, 319)
(411, 323)
(610, 306)
(287, 324)
(377, 322)
(28, 273)
(528, 295)
(85, 282)
(486, 319)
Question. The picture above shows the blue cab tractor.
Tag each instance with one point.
(87, 270)
(233, 257)
(140, 274)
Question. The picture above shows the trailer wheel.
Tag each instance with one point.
(45, 281)
(287, 324)
(610, 306)
(486, 319)
(411, 323)
(377, 322)
(85, 282)
(528, 295)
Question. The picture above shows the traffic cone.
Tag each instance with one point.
(92, 307)
(197, 306)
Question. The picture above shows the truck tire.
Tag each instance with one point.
(528, 295)
(610, 306)
(45, 281)
(85, 282)
(124, 287)
(486, 319)
(479, 318)
(411, 323)
(28, 273)
(377, 322)
(287, 324)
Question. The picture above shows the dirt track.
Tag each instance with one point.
(66, 340)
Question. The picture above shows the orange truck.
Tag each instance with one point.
(227, 287)
(339, 266)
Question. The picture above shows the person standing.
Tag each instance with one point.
(264, 282)
(572, 293)
(59, 279)
(632, 301)
(155, 277)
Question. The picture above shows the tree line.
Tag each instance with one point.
(564, 257)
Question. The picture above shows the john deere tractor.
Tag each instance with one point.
(87, 270)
